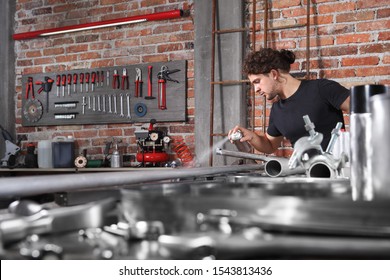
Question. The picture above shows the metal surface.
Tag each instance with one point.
(58, 183)
(380, 105)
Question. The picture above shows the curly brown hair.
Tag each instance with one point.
(264, 60)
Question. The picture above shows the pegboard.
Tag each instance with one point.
(106, 103)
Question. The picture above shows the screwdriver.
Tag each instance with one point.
(81, 81)
(63, 83)
(93, 81)
(69, 82)
(58, 84)
(74, 82)
(86, 82)
(101, 78)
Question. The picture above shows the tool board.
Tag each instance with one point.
(76, 103)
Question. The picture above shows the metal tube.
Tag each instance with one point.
(222, 152)
(278, 167)
(33, 185)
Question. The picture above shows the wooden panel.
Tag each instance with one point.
(89, 108)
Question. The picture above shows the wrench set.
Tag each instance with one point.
(120, 94)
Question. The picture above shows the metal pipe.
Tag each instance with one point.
(278, 167)
(321, 170)
(274, 167)
(223, 152)
(33, 185)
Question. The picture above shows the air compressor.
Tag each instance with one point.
(152, 146)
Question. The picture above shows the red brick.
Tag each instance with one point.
(373, 71)
(318, 42)
(169, 47)
(127, 60)
(77, 48)
(337, 73)
(53, 51)
(353, 38)
(85, 134)
(375, 48)
(154, 58)
(373, 25)
(339, 50)
(362, 4)
(383, 13)
(127, 43)
(102, 63)
(66, 58)
(384, 36)
(355, 16)
(356, 61)
(33, 54)
(280, 4)
(44, 60)
(89, 55)
(23, 63)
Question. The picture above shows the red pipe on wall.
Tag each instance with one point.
(93, 25)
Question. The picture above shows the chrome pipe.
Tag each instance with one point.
(33, 185)
(274, 166)
(228, 153)
(279, 168)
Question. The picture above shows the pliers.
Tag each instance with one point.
(30, 87)
(115, 80)
(138, 82)
(125, 80)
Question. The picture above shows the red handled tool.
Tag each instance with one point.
(58, 84)
(125, 80)
(74, 82)
(81, 81)
(101, 78)
(150, 91)
(115, 80)
(69, 80)
(63, 84)
(97, 79)
(138, 82)
(46, 87)
(87, 82)
(163, 77)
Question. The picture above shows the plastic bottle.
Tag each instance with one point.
(63, 152)
(45, 159)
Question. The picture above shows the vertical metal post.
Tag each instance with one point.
(212, 82)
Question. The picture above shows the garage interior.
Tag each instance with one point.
(115, 118)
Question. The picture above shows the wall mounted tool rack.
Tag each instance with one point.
(120, 94)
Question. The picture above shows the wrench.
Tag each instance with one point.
(121, 99)
(104, 103)
(128, 105)
(84, 104)
(109, 104)
(89, 102)
(115, 111)
(94, 103)
(98, 101)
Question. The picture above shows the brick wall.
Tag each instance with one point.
(350, 42)
(142, 43)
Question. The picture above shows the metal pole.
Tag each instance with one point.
(34, 185)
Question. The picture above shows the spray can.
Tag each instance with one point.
(361, 145)
(116, 158)
(236, 136)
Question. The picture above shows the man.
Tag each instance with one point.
(322, 100)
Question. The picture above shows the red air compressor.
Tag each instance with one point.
(152, 145)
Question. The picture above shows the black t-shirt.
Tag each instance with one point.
(319, 99)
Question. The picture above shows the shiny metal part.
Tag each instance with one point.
(50, 184)
(55, 220)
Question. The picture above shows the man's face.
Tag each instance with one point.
(264, 84)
